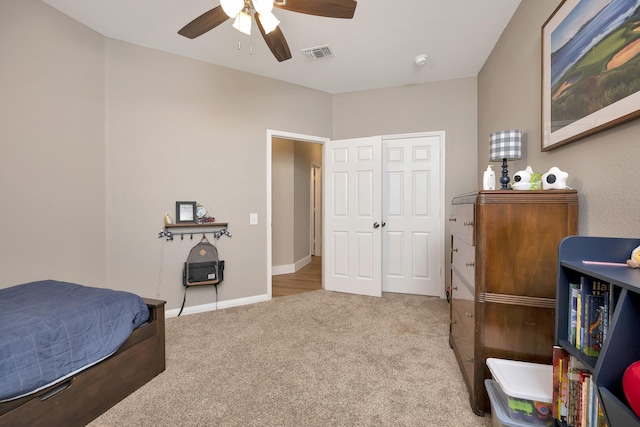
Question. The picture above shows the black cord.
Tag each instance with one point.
(185, 298)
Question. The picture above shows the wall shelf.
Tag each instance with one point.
(196, 225)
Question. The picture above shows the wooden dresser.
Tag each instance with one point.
(504, 254)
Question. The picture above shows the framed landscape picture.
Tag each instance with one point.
(590, 69)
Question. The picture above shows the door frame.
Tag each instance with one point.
(271, 133)
(315, 209)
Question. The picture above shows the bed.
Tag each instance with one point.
(70, 352)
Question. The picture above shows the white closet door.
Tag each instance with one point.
(412, 236)
(352, 216)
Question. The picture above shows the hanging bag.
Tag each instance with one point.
(203, 266)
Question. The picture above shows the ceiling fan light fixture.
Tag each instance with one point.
(232, 7)
(268, 21)
(243, 23)
(263, 6)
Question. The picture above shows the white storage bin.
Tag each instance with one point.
(499, 416)
(525, 390)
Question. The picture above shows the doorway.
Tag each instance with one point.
(293, 200)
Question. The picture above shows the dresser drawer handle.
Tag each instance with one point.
(468, 359)
(470, 264)
(452, 220)
(468, 224)
(468, 314)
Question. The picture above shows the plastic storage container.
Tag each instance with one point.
(524, 389)
(499, 417)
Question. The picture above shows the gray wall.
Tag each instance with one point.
(601, 167)
(52, 145)
(177, 130)
(99, 138)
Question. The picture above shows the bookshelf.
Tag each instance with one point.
(620, 347)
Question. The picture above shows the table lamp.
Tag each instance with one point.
(505, 145)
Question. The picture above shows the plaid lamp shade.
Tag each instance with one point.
(505, 144)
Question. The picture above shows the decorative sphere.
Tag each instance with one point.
(631, 386)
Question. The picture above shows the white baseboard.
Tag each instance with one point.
(290, 268)
(303, 262)
(203, 308)
(283, 269)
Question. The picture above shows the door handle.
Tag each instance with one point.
(376, 224)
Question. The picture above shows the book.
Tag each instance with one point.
(579, 320)
(560, 383)
(583, 399)
(574, 288)
(574, 401)
(573, 397)
(601, 420)
(605, 317)
(591, 286)
(593, 312)
(588, 286)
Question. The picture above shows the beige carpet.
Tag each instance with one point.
(314, 359)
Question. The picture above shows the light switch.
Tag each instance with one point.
(253, 218)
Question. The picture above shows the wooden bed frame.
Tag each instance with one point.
(80, 399)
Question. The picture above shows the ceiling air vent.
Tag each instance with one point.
(318, 52)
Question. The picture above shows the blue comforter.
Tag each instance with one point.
(51, 329)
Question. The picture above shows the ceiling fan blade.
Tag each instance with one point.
(328, 8)
(276, 42)
(203, 23)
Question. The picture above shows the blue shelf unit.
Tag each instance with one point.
(621, 346)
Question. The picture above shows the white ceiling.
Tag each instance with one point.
(375, 49)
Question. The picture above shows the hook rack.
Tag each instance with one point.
(216, 234)
(169, 235)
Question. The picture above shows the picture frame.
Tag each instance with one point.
(590, 77)
(185, 212)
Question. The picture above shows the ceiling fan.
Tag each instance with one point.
(266, 21)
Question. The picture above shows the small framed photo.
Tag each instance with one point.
(185, 212)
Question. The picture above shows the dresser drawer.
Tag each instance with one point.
(463, 258)
(462, 222)
(462, 342)
(463, 303)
